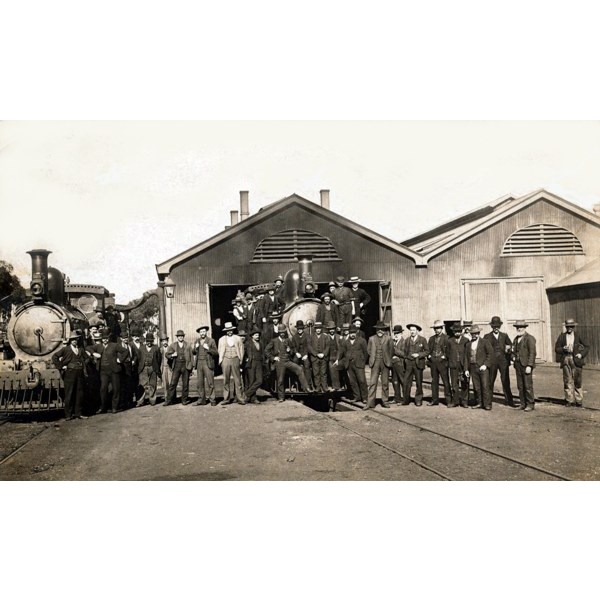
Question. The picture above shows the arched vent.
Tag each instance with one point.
(286, 246)
(542, 239)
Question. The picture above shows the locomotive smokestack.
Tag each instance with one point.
(305, 271)
(244, 206)
(39, 273)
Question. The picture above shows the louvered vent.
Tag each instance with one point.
(542, 239)
(286, 246)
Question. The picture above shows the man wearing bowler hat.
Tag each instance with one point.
(398, 363)
(353, 357)
(302, 357)
(438, 363)
(205, 350)
(571, 351)
(380, 351)
(502, 345)
(231, 355)
(416, 350)
(149, 365)
(334, 348)
(479, 357)
(183, 363)
(523, 358)
(71, 361)
(457, 366)
(318, 348)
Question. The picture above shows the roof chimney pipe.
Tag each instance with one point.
(325, 199)
(234, 217)
(244, 206)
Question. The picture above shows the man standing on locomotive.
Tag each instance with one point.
(360, 298)
(71, 361)
(342, 298)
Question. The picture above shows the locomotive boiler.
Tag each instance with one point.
(35, 332)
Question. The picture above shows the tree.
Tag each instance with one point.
(145, 316)
(11, 290)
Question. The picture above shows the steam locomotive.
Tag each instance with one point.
(35, 332)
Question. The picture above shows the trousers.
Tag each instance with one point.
(481, 386)
(379, 369)
(358, 382)
(439, 369)
(572, 379)
(74, 381)
(525, 385)
(206, 382)
(179, 370)
(231, 369)
(413, 371)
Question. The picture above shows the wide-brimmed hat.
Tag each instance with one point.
(249, 296)
(329, 325)
(318, 324)
(236, 300)
(419, 328)
(345, 325)
(398, 329)
(437, 323)
(202, 327)
(136, 331)
(275, 315)
(520, 323)
(242, 332)
(496, 322)
(354, 279)
(73, 336)
(255, 330)
(467, 323)
(381, 325)
(354, 329)
(457, 327)
(326, 295)
(163, 338)
(299, 324)
(269, 288)
(570, 323)
(229, 326)
(331, 283)
(149, 337)
(281, 328)
(340, 279)
(357, 319)
(475, 329)
(105, 332)
(180, 332)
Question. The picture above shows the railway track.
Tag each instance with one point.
(455, 440)
(21, 446)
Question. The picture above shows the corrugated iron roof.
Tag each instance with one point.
(588, 274)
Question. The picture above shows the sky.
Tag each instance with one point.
(111, 199)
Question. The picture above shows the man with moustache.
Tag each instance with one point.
(71, 361)
(380, 351)
(502, 346)
(457, 365)
(149, 365)
(205, 351)
(353, 357)
(479, 356)
(110, 356)
(181, 354)
(255, 358)
(398, 369)
(416, 350)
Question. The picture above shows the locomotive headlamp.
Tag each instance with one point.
(37, 288)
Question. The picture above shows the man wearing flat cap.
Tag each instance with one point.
(416, 350)
(502, 345)
(342, 298)
(523, 358)
(231, 355)
(180, 352)
(205, 350)
(479, 357)
(380, 352)
(571, 351)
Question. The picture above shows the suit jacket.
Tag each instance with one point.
(421, 348)
(319, 345)
(254, 356)
(334, 346)
(137, 352)
(65, 356)
(457, 357)
(443, 347)
(107, 363)
(398, 347)
(238, 345)
(324, 315)
(524, 350)
(501, 356)
(484, 354)
(579, 347)
(131, 357)
(283, 349)
(187, 351)
(301, 344)
(156, 357)
(210, 353)
(267, 306)
(387, 350)
(356, 354)
(359, 296)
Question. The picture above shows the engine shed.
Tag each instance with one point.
(500, 259)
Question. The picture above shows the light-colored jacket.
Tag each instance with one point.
(238, 345)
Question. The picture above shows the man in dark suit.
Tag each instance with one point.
(205, 350)
(342, 298)
(438, 363)
(523, 359)
(571, 351)
(457, 365)
(479, 356)
(318, 348)
(128, 366)
(359, 299)
(398, 363)
(334, 348)
(136, 346)
(302, 357)
(149, 364)
(255, 358)
(327, 310)
(380, 351)
(269, 305)
(71, 361)
(353, 357)
(502, 345)
(280, 352)
(110, 357)
(416, 350)
(183, 363)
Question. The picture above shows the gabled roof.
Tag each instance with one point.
(587, 275)
(435, 241)
(164, 268)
